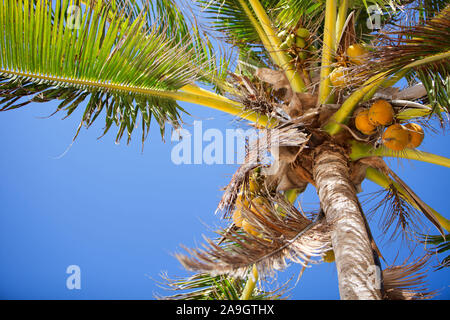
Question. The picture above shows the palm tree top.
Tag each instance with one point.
(319, 75)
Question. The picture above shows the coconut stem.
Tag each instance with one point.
(342, 16)
(412, 113)
(361, 150)
(346, 109)
(325, 88)
(294, 77)
(250, 284)
(262, 35)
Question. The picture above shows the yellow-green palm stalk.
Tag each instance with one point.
(411, 113)
(250, 284)
(360, 150)
(325, 88)
(262, 35)
(294, 78)
(192, 95)
(428, 60)
(386, 83)
(197, 95)
(341, 18)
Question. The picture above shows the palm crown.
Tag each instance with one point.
(314, 74)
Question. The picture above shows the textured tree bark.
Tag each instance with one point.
(357, 272)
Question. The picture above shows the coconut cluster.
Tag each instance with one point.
(396, 136)
(354, 55)
(257, 205)
(295, 41)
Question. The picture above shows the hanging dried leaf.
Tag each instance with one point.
(281, 233)
(258, 155)
(407, 281)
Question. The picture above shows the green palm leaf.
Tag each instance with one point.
(119, 65)
(166, 16)
(428, 8)
(438, 245)
(203, 286)
(290, 11)
(229, 19)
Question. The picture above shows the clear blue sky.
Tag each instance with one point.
(120, 214)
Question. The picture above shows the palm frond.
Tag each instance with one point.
(117, 64)
(287, 136)
(407, 281)
(179, 23)
(229, 19)
(439, 244)
(396, 214)
(425, 50)
(290, 11)
(283, 233)
(427, 9)
(402, 191)
(203, 286)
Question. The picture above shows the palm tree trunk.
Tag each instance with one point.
(357, 272)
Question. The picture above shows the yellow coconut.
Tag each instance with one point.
(416, 135)
(249, 228)
(355, 53)
(238, 218)
(381, 113)
(337, 77)
(329, 256)
(363, 124)
(396, 137)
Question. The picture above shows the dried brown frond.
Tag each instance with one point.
(407, 281)
(292, 104)
(258, 155)
(397, 213)
(258, 96)
(404, 192)
(283, 233)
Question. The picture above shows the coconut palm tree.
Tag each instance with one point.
(317, 78)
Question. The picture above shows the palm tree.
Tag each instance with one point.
(302, 71)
